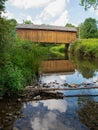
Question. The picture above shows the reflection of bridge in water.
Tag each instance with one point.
(57, 66)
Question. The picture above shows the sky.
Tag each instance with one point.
(49, 12)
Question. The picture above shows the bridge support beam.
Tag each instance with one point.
(67, 45)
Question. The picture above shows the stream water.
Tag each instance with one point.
(70, 113)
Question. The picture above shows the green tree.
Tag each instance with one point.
(88, 29)
(13, 21)
(7, 31)
(27, 21)
(89, 3)
(69, 25)
(19, 60)
(2, 6)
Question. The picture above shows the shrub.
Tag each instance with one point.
(85, 47)
(13, 77)
(19, 64)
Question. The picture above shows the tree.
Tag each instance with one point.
(2, 6)
(13, 21)
(88, 29)
(69, 25)
(27, 21)
(7, 31)
(89, 3)
(87, 112)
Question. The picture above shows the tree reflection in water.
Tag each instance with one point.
(9, 112)
(86, 67)
(88, 112)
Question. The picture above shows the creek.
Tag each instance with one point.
(70, 113)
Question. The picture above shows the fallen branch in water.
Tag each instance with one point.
(53, 89)
(29, 92)
(79, 95)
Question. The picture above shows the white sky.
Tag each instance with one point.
(54, 12)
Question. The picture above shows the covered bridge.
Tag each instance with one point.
(46, 33)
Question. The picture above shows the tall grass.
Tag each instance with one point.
(19, 64)
(85, 47)
(58, 49)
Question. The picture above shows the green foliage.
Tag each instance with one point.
(88, 29)
(27, 56)
(69, 25)
(85, 66)
(7, 32)
(85, 47)
(13, 22)
(89, 3)
(53, 50)
(19, 64)
(27, 22)
(12, 78)
(2, 6)
(19, 60)
(58, 50)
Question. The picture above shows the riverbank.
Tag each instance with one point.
(22, 66)
(85, 47)
(25, 59)
(19, 65)
(18, 113)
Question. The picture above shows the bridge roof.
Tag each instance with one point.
(46, 27)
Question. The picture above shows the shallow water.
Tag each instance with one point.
(70, 113)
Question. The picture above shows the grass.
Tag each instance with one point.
(58, 49)
(54, 50)
(85, 47)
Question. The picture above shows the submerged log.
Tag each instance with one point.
(52, 94)
(49, 93)
(41, 89)
(81, 95)
(38, 94)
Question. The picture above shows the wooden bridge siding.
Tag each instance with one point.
(47, 36)
(42, 36)
(52, 66)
